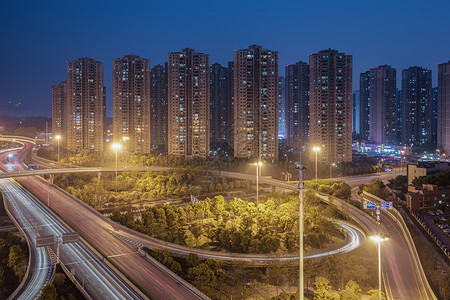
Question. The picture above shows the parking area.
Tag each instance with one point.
(435, 223)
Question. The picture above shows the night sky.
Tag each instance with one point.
(38, 37)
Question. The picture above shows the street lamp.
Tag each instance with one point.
(258, 165)
(316, 149)
(331, 173)
(58, 137)
(116, 147)
(379, 239)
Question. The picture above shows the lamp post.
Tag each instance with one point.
(331, 173)
(58, 137)
(300, 168)
(379, 239)
(316, 149)
(257, 164)
(116, 147)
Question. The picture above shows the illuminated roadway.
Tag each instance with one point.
(98, 280)
(149, 277)
(400, 266)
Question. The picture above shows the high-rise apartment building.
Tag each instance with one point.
(188, 104)
(443, 109)
(159, 105)
(297, 103)
(86, 105)
(356, 100)
(59, 102)
(220, 106)
(256, 103)
(434, 114)
(379, 96)
(131, 103)
(398, 116)
(331, 105)
(364, 105)
(281, 106)
(416, 101)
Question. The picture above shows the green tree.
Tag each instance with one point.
(49, 292)
(374, 295)
(192, 260)
(323, 289)
(196, 231)
(351, 291)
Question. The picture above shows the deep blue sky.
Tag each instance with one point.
(38, 37)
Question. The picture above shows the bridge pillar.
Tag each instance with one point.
(274, 188)
(99, 175)
(51, 178)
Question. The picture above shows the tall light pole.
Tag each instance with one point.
(116, 147)
(331, 173)
(257, 164)
(58, 137)
(316, 149)
(300, 227)
(379, 239)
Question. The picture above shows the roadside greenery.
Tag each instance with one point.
(134, 187)
(14, 262)
(339, 189)
(378, 189)
(61, 289)
(236, 225)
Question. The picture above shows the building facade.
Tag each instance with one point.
(364, 105)
(86, 105)
(356, 100)
(131, 103)
(443, 108)
(59, 115)
(220, 106)
(281, 107)
(382, 95)
(159, 108)
(416, 101)
(331, 105)
(256, 103)
(297, 100)
(188, 104)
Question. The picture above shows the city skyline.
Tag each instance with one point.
(296, 43)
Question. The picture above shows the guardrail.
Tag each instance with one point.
(75, 281)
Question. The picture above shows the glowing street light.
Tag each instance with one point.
(331, 173)
(58, 137)
(116, 147)
(258, 165)
(379, 239)
(316, 149)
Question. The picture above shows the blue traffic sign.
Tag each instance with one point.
(386, 205)
(369, 205)
(387, 170)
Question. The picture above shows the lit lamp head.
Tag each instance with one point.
(316, 148)
(125, 138)
(58, 137)
(379, 238)
(116, 146)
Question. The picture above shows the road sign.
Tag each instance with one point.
(369, 205)
(43, 241)
(387, 170)
(70, 237)
(386, 205)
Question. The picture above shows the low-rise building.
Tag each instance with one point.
(425, 169)
(428, 196)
